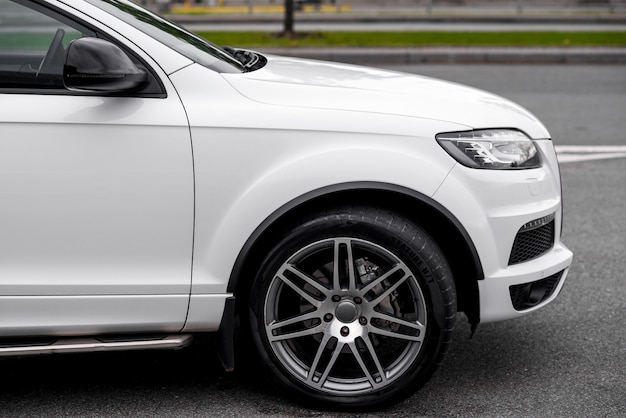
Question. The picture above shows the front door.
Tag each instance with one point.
(96, 194)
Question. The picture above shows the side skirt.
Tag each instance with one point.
(80, 345)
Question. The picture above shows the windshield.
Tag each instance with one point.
(186, 43)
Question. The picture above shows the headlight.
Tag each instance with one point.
(499, 149)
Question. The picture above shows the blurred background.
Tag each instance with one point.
(423, 6)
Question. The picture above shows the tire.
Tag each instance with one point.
(372, 327)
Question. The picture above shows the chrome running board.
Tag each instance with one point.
(82, 345)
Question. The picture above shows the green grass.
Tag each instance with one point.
(31, 41)
(377, 39)
(28, 41)
(420, 39)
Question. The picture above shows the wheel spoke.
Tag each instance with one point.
(387, 292)
(307, 279)
(296, 334)
(391, 334)
(318, 355)
(299, 290)
(294, 320)
(336, 264)
(413, 325)
(359, 359)
(351, 273)
(343, 258)
(329, 366)
(379, 367)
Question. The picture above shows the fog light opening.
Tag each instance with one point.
(528, 295)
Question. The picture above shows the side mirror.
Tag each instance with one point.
(96, 65)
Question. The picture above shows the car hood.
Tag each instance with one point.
(324, 85)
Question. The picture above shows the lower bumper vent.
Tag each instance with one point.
(525, 296)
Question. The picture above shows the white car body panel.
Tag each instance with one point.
(27, 316)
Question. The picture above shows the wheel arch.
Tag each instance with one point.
(440, 224)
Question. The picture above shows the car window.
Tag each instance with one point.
(184, 42)
(33, 40)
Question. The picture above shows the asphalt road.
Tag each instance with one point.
(579, 104)
(567, 360)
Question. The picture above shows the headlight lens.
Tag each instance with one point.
(499, 149)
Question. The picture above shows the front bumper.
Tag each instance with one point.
(499, 291)
(494, 206)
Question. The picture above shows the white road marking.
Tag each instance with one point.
(576, 153)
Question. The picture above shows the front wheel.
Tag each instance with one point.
(353, 309)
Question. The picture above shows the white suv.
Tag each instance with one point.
(155, 186)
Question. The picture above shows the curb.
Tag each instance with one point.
(437, 55)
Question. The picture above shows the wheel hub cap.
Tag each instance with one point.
(346, 312)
